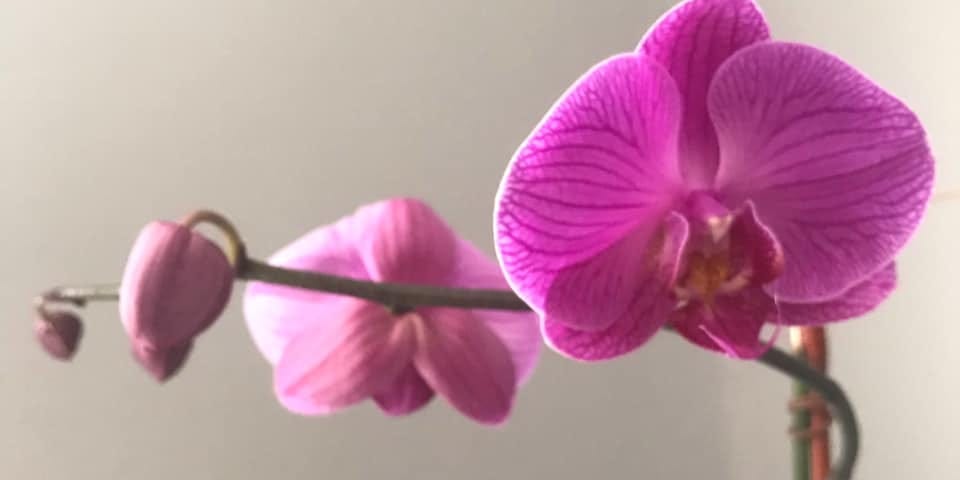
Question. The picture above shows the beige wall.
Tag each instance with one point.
(286, 114)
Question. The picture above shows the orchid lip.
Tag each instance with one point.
(713, 263)
(709, 275)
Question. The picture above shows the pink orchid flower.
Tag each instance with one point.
(715, 181)
(332, 351)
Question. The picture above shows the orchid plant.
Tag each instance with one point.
(712, 181)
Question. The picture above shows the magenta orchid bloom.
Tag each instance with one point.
(715, 181)
(332, 351)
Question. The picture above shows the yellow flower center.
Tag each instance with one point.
(706, 275)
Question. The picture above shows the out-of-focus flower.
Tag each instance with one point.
(713, 180)
(58, 332)
(331, 351)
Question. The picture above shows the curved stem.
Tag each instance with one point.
(235, 250)
(840, 405)
(394, 296)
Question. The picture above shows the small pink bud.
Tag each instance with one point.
(162, 363)
(175, 285)
(59, 333)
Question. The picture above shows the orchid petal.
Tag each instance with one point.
(625, 335)
(405, 241)
(276, 314)
(466, 363)
(600, 164)
(320, 373)
(638, 306)
(407, 394)
(858, 300)
(631, 278)
(731, 324)
(691, 42)
(839, 169)
(519, 331)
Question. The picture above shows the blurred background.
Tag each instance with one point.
(286, 115)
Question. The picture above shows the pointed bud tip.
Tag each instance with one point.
(161, 364)
(58, 333)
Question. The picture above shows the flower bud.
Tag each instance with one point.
(175, 285)
(58, 332)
